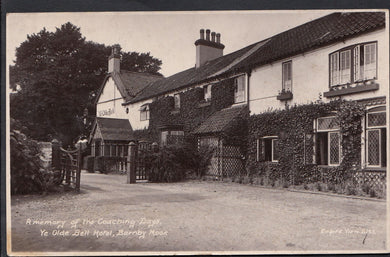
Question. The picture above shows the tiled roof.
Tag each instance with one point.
(326, 30)
(115, 129)
(130, 83)
(323, 31)
(220, 120)
(190, 76)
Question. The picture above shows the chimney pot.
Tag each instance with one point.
(207, 34)
(218, 38)
(202, 34)
(213, 36)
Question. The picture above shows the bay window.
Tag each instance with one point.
(353, 64)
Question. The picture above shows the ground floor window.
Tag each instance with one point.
(172, 137)
(208, 141)
(328, 141)
(268, 149)
(376, 137)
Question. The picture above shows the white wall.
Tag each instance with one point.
(310, 76)
(110, 102)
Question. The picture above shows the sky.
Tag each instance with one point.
(169, 36)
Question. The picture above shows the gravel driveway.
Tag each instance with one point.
(110, 215)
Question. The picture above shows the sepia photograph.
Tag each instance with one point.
(197, 132)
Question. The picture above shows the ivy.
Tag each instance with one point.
(290, 126)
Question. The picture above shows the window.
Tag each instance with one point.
(287, 76)
(328, 145)
(353, 64)
(208, 141)
(239, 89)
(172, 137)
(376, 137)
(177, 101)
(268, 149)
(144, 111)
(207, 93)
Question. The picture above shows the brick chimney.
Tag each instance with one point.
(208, 48)
(114, 60)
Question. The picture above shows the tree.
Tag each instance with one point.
(59, 74)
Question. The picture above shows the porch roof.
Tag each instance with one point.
(219, 121)
(114, 129)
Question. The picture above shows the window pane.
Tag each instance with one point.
(356, 64)
(334, 148)
(239, 93)
(334, 69)
(369, 61)
(164, 135)
(345, 67)
(376, 119)
(177, 101)
(275, 149)
(373, 147)
(327, 123)
(287, 76)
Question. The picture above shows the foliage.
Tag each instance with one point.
(291, 125)
(59, 74)
(27, 173)
(193, 111)
(107, 164)
(175, 163)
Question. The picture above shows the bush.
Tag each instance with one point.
(106, 164)
(89, 163)
(175, 163)
(27, 173)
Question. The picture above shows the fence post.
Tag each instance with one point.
(131, 177)
(55, 155)
(78, 172)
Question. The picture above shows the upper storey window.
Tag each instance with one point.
(287, 76)
(239, 89)
(353, 64)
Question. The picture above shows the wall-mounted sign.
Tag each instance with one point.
(107, 112)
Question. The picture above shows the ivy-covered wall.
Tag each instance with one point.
(292, 126)
(193, 109)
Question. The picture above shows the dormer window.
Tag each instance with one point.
(239, 89)
(207, 93)
(144, 112)
(353, 64)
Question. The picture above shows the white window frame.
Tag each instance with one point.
(380, 147)
(177, 101)
(325, 130)
(207, 93)
(360, 71)
(328, 131)
(334, 72)
(346, 61)
(239, 95)
(372, 128)
(339, 146)
(375, 63)
(144, 112)
(272, 149)
(287, 71)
